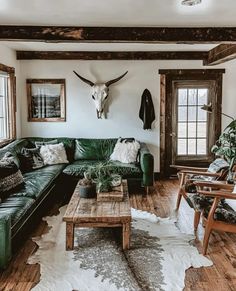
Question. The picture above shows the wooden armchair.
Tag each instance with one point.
(187, 175)
(218, 214)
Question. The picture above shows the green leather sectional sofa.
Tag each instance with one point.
(19, 209)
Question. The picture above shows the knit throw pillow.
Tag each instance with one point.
(54, 154)
(31, 159)
(125, 151)
(10, 176)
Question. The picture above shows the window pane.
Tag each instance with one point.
(2, 129)
(192, 96)
(202, 114)
(181, 147)
(182, 113)
(192, 146)
(201, 147)
(201, 129)
(192, 129)
(1, 107)
(182, 96)
(182, 130)
(202, 96)
(192, 110)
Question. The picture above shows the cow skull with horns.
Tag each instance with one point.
(100, 92)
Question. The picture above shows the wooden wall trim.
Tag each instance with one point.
(111, 55)
(181, 72)
(119, 34)
(220, 54)
(7, 69)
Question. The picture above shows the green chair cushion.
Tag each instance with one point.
(16, 207)
(78, 168)
(37, 181)
(94, 149)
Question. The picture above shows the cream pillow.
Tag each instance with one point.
(53, 154)
(125, 152)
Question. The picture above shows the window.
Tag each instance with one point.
(192, 121)
(7, 103)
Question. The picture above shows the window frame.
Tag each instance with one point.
(167, 78)
(11, 106)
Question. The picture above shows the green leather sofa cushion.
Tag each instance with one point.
(37, 181)
(126, 170)
(16, 207)
(69, 144)
(94, 149)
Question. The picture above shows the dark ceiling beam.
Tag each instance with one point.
(220, 54)
(108, 55)
(119, 34)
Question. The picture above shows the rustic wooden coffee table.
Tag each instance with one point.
(83, 212)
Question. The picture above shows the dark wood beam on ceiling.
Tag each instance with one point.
(115, 55)
(119, 34)
(220, 54)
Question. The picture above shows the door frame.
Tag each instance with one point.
(167, 79)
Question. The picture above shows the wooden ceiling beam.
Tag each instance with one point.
(220, 54)
(118, 34)
(111, 55)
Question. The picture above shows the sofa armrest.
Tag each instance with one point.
(147, 165)
(5, 240)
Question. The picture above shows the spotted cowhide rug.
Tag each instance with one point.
(157, 260)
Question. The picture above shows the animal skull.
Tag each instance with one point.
(100, 92)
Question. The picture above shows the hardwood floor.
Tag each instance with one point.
(222, 247)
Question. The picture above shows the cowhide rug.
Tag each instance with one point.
(157, 260)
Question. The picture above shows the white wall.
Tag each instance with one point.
(8, 58)
(125, 98)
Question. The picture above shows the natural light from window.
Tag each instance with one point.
(4, 119)
(192, 122)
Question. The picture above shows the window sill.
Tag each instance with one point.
(4, 142)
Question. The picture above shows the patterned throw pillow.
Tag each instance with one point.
(54, 154)
(31, 159)
(38, 144)
(10, 176)
(125, 151)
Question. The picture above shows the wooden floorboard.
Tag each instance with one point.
(222, 247)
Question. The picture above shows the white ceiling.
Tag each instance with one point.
(41, 46)
(117, 13)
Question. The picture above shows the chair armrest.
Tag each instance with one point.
(179, 168)
(214, 185)
(5, 240)
(147, 165)
(218, 194)
(208, 174)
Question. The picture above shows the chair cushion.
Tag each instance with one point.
(94, 149)
(37, 181)
(16, 207)
(217, 165)
(78, 168)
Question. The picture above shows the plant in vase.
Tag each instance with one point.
(226, 147)
(87, 187)
(103, 176)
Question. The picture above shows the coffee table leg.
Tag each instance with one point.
(69, 236)
(126, 235)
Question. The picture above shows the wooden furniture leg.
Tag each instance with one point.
(209, 224)
(69, 236)
(197, 216)
(126, 235)
(180, 191)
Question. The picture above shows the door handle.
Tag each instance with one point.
(172, 134)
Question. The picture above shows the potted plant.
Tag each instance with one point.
(102, 175)
(226, 147)
(87, 187)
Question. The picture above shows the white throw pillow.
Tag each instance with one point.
(53, 154)
(125, 152)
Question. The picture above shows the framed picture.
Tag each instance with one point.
(46, 100)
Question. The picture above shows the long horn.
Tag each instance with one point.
(115, 80)
(84, 80)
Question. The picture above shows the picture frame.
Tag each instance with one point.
(46, 100)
